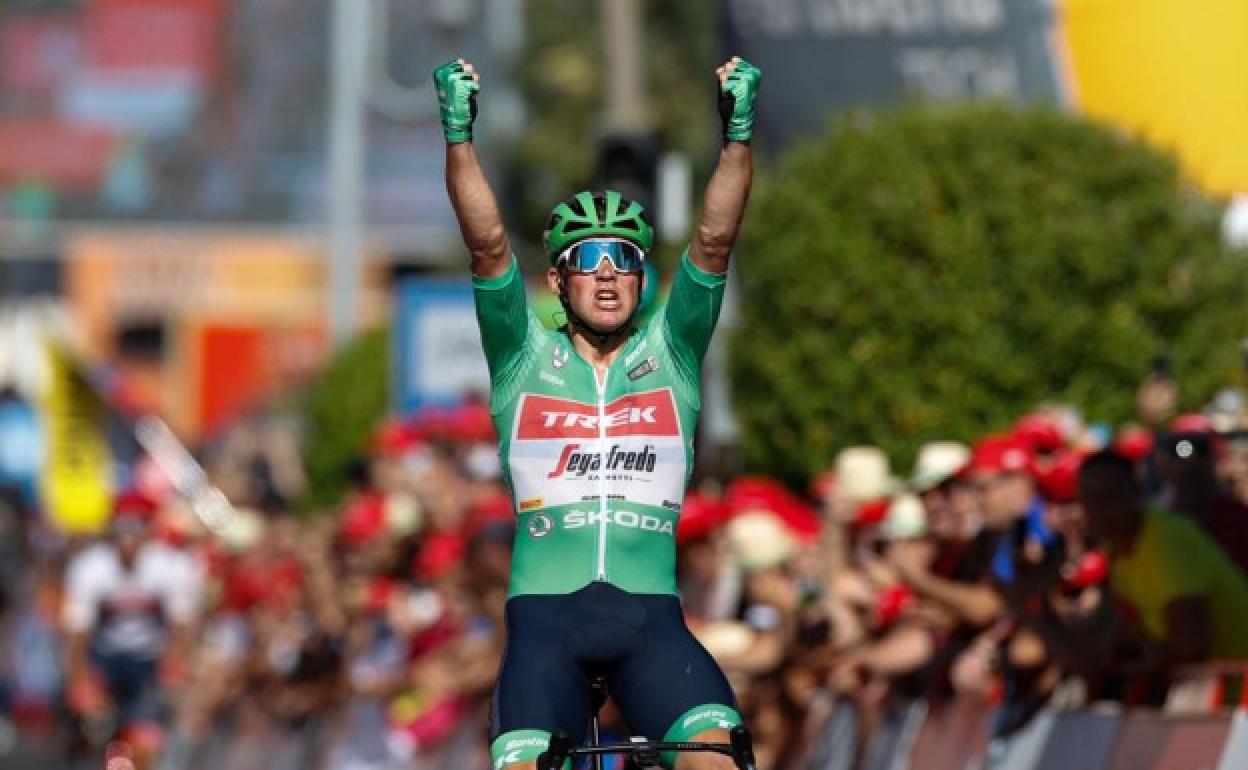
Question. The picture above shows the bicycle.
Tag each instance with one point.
(642, 754)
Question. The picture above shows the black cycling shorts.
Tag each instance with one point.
(665, 684)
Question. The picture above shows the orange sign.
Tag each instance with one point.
(243, 312)
(236, 367)
(151, 274)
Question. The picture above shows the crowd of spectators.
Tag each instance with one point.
(1053, 562)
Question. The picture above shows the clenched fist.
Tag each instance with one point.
(457, 84)
(738, 88)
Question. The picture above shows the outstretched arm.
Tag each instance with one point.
(722, 208)
(729, 189)
(480, 223)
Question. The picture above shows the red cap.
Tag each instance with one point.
(1039, 433)
(700, 515)
(1059, 480)
(1134, 443)
(891, 602)
(1192, 422)
(470, 422)
(872, 512)
(1091, 569)
(439, 553)
(396, 437)
(487, 509)
(762, 493)
(378, 592)
(1001, 453)
(363, 519)
(250, 581)
(134, 505)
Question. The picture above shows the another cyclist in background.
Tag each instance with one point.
(130, 603)
(596, 424)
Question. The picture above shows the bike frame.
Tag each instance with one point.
(643, 753)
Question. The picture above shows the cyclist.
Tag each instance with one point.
(596, 426)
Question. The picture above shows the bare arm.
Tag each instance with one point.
(723, 208)
(976, 604)
(902, 650)
(457, 84)
(76, 666)
(729, 189)
(480, 223)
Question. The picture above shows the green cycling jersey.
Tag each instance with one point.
(597, 463)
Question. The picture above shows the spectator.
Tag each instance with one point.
(1187, 594)
(1187, 459)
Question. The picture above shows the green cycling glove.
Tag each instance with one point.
(736, 100)
(457, 100)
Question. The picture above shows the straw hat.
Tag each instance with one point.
(906, 518)
(938, 461)
(759, 539)
(863, 474)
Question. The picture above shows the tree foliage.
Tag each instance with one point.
(932, 273)
(341, 411)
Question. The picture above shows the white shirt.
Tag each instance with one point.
(128, 610)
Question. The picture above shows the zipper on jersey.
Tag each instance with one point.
(602, 475)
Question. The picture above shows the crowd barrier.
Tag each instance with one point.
(955, 736)
(912, 736)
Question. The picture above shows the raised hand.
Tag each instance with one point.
(738, 87)
(457, 84)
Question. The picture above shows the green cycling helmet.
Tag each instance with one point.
(593, 214)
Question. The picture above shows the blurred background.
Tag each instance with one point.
(972, 483)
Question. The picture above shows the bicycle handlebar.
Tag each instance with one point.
(739, 747)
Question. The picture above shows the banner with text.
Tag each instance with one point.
(822, 55)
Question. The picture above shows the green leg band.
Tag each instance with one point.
(520, 746)
(698, 719)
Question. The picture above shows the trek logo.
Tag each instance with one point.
(576, 463)
(652, 413)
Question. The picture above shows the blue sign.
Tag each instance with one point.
(438, 357)
(21, 446)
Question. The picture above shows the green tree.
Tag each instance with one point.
(934, 272)
(341, 409)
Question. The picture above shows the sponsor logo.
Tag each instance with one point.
(717, 715)
(627, 519)
(652, 413)
(528, 505)
(546, 376)
(631, 358)
(540, 525)
(514, 750)
(573, 462)
(507, 759)
(642, 369)
(520, 743)
(559, 357)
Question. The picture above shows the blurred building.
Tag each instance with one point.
(163, 171)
